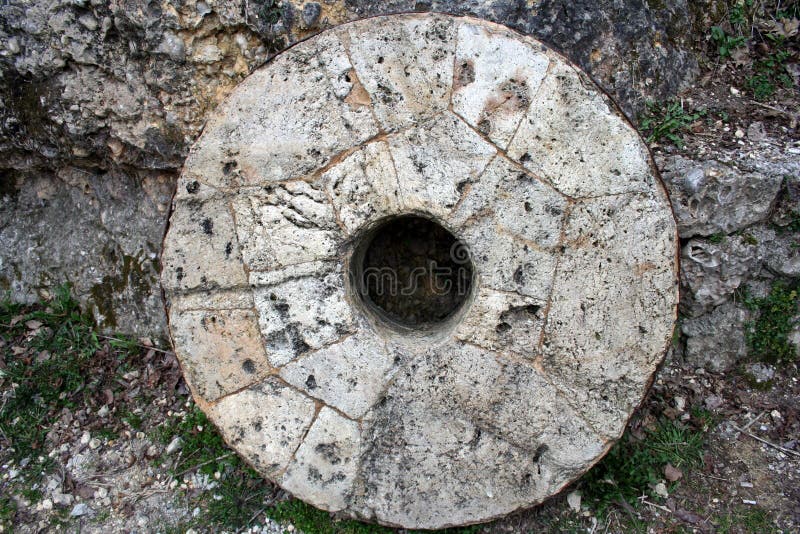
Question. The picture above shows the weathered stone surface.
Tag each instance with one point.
(81, 227)
(519, 383)
(587, 152)
(349, 376)
(435, 161)
(612, 41)
(713, 271)
(710, 197)
(202, 252)
(364, 186)
(265, 423)
(496, 79)
(612, 308)
(406, 66)
(739, 207)
(716, 340)
(324, 468)
(302, 313)
(227, 341)
(288, 224)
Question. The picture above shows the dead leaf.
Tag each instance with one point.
(672, 473)
(784, 27)
(689, 517)
(33, 325)
(741, 57)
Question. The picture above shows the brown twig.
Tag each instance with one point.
(765, 442)
(218, 458)
(110, 338)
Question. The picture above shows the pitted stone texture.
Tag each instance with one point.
(553, 200)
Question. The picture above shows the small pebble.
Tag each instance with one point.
(79, 510)
(174, 445)
(311, 13)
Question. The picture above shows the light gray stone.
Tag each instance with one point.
(710, 197)
(435, 161)
(572, 137)
(405, 65)
(716, 340)
(496, 79)
(289, 224)
(613, 306)
(324, 468)
(201, 251)
(301, 314)
(265, 423)
(349, 375)
(712, 272)
(228, 341)
(364, 186)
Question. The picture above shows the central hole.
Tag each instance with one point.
(413, 272)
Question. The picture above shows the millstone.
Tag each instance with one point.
(420, 271)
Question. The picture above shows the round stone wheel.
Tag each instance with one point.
(420, 271)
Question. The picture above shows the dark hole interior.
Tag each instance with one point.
(415, 272)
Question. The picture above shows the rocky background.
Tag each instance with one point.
(101, 101)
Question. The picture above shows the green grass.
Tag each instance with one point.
(794, 223)
(47, 372)
(634, 466)
(52, 359)
(667, 121)
(751, 520)
(768, 334)
(768, 74)
(241, 491)
(269, 11)
(717, 238)
(313, 521)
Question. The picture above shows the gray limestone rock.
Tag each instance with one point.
(716, 340)
(710, 197)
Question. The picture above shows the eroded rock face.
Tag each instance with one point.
(280, 271)
(735, 212)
